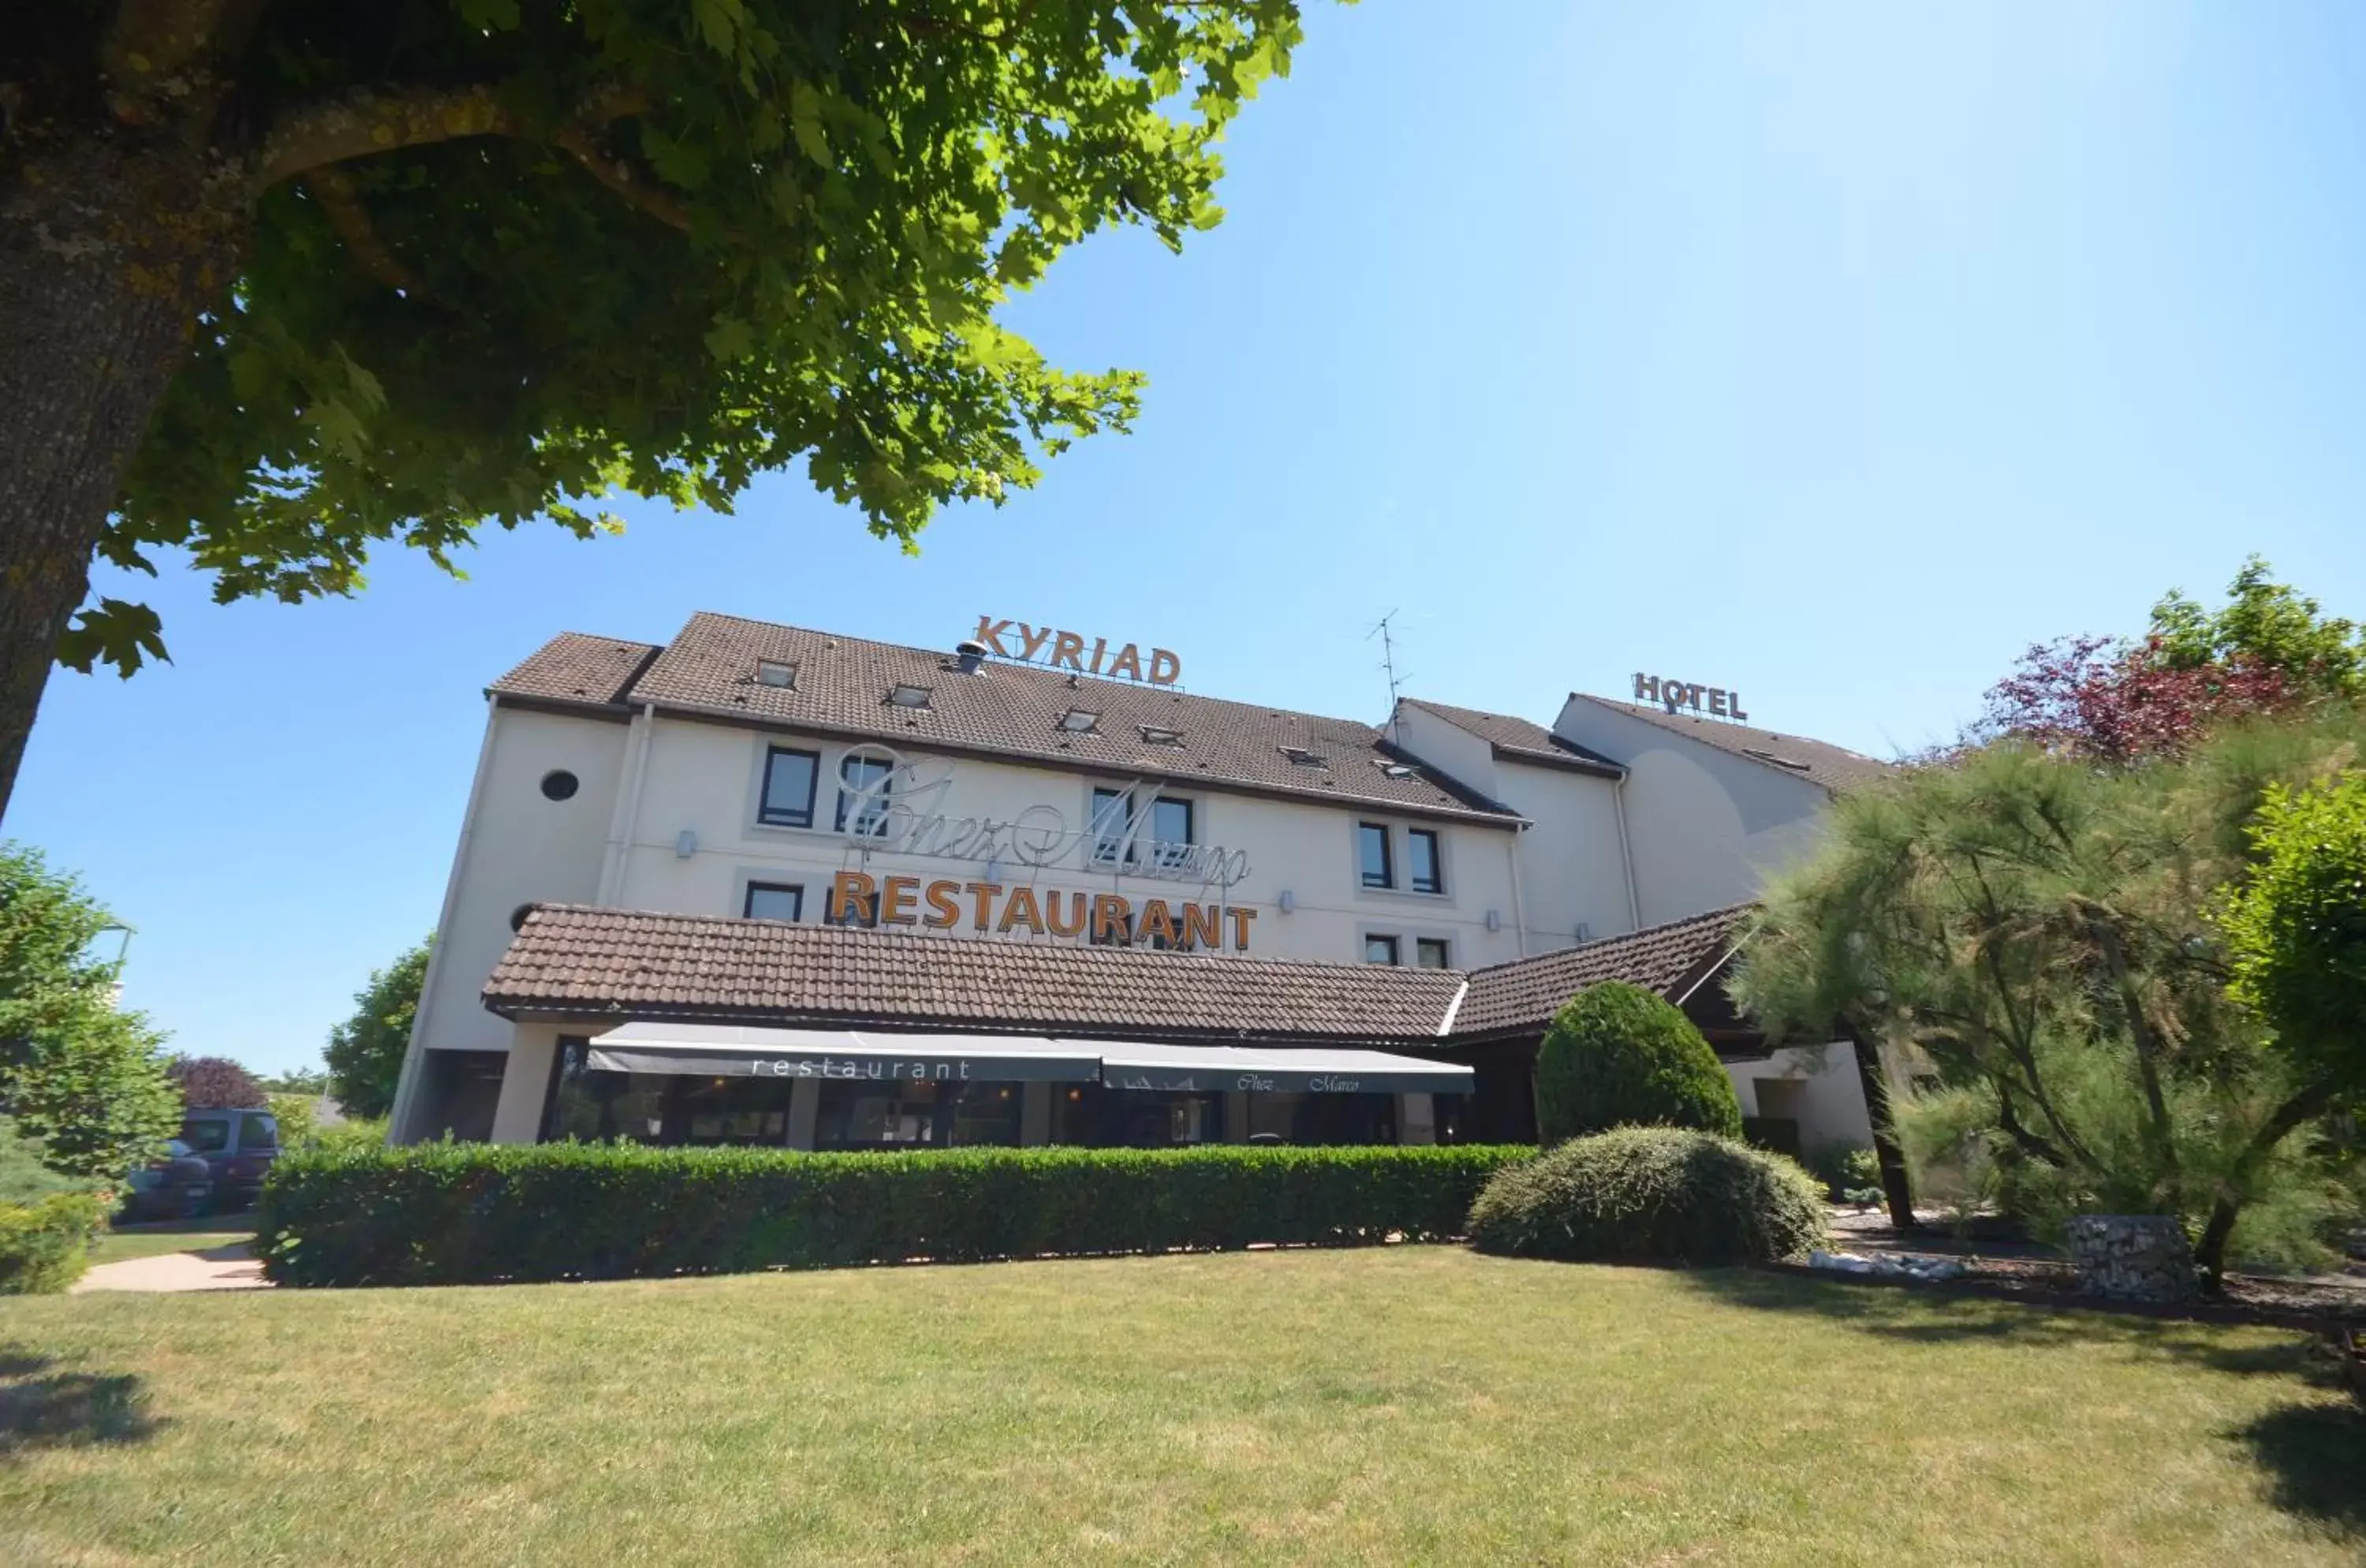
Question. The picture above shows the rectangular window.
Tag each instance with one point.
(864, 779)
(773, 901)
(1166, 839)
(788, 787)
(1430, 952)
(1372, 856)
(1380, 949)
(1421, 854)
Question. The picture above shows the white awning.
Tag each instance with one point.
(1334, 1071)
(730, 1050)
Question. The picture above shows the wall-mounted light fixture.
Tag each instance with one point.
(686, 844)
(1494, 921)
(1287, 902)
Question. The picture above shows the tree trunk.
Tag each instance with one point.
(110, 244)
(2210, 1252)
(1886, 1150)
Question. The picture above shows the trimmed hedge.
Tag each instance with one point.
(1618, 1056)
(45, 1245)
(467, 1213)
(1652, 1194)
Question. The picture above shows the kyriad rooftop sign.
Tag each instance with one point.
(1065, 651)
(1676, 695)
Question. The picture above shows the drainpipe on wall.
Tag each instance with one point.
(1519, 915)
(626, 817)
(1626, 851)
(406, 1084)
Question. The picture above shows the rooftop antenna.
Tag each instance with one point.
(1383, 630)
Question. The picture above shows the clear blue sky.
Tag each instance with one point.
(1833, 353)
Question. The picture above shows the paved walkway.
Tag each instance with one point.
(217, 1268)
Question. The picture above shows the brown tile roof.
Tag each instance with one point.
(1013, 710)
(576, 668)
(1836, 768)
(1521, 739)
(572, 960)
(1508, 999)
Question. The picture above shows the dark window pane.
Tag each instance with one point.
(1109, 811)
(788, 788)
(1421, 848)
(1379, 950)
(1430, 954)
(207, 1136)
(1372, 854)
(867, 774)
(257, 1131)
(774, 901)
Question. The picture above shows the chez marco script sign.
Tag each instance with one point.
(900, 809)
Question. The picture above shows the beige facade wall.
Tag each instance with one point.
(1704, 829)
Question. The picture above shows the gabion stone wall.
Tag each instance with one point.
(2134, 1257)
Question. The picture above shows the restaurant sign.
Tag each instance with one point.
(1675, 695)
(858, 897)
(899, 810)
(1057, 649)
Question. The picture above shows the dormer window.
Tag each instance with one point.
(1080, 721)
(772, 673)
(1300, 757)
(1154, 735)
(904, 697)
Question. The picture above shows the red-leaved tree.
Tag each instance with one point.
(215, 1083)
(2118, 700)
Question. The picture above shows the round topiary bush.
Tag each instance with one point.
(1618, 1056)
(1651, 1194)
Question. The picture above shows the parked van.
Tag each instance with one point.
(238, 1145)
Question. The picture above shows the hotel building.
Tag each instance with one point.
(767, 885)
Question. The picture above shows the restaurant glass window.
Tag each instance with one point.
(864, 779)
(1321, 1120)
(902, 1113)
(668, 1109)
(1380, 949)
(788, 787)
(1421, 867)
(1432, 953)
(1096, 1116)
(773, 901)
(1372, 855)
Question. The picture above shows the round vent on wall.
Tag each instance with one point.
(559, 785)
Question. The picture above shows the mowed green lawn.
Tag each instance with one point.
(1412, 1405)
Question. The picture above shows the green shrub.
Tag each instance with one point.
(452, 1213)
(45, 1244)
(1851, 1173)
(24, 1173)
(1640, 1194)
(1618, 1056)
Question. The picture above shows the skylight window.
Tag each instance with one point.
(1300, 757)
(1152, 735)
(772, 673)
(1398, 770)
(1792, 763)
(907, 696)
(1080, 721)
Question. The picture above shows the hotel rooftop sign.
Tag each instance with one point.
(1065, 651)
(1667, 691)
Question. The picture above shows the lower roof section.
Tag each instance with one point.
(584, 965)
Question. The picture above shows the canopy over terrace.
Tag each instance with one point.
(741, 1051)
